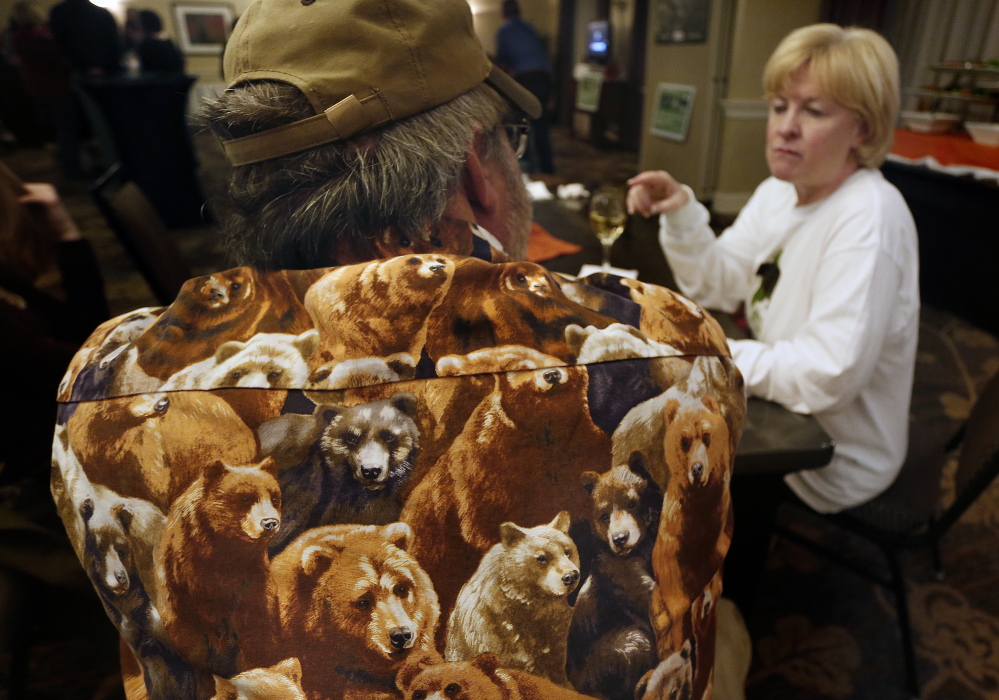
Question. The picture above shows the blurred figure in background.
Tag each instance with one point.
(521, 53)
(39, 333)
(46, 77)
(88, 37)
(154, 53)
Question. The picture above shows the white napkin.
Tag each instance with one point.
(574, 190)
(537, 189)
(590, 269)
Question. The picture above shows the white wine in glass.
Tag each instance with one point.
(607, 218)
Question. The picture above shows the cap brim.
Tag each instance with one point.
(514, 91)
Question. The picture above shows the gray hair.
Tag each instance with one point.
(297, 211)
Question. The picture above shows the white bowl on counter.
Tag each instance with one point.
(985, 133)
(930, 122)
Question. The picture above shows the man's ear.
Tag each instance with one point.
(476, 184)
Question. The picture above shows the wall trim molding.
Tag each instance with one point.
(745, 109)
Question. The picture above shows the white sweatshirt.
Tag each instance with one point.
(837, 336)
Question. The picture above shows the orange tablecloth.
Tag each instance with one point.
(947, 149)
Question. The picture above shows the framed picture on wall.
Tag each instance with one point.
(203, 28)
(681, 21)
(671, 110)
(589, 84)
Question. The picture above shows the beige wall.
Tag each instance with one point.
(686, 64)
(757, 28)
(722, 158)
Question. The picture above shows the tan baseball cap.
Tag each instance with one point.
(361, 63)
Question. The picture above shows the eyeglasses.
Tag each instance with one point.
(516, 135)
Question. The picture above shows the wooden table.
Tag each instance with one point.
(774, 439)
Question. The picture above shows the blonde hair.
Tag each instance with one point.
(855, 67)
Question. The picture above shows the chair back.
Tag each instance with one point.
(978, 463)
(141, 233)
(27, 242)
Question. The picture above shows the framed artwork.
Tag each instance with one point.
(671, 110)
(681, 21)
(203, 28)
(588, 87)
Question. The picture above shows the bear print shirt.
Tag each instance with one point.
(319, 484)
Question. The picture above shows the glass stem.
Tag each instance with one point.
(607, 254)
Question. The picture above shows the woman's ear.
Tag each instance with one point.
(863, 134)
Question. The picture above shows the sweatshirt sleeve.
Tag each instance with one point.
(716, 272)
(833, 355)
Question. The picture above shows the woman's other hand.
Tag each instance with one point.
(655, 192)
(44, 196)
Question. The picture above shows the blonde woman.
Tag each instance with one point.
(824, 257)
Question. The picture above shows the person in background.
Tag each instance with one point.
(46, 76)
(39, 332)
(155, 53)
(520, 51)
(824, 258)
(88, 37)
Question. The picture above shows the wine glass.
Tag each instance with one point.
(607, 217)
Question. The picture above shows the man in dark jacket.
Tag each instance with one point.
(88, 37)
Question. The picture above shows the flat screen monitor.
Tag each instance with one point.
(598, 41)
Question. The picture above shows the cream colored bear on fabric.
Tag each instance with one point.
(617, 341)
(516, 604)
(267, 360)
(282, 680)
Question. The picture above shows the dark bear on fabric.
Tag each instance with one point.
(340, 464)
(611, 641)
(110, 565)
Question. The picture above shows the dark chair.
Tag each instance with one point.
(141, 232)
(909, 515)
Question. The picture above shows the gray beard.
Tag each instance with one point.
(521, 210)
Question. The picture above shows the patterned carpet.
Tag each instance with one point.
(819, 631)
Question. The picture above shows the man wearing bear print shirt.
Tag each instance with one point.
(382, 351)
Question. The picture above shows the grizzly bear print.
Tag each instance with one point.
(225, 305)
(611, 641)
(695, 527)
(643, 428)
(353, 605)
(672, 318)
(538, 430)
(671, 679)
(604, 294)
(379, 308)
(342, 465)
(94, 369)
(282, 681)
(492, 304)
(516, 604)
(704, 624)
(478, 679)
(212, 573)
(153, 446)
(363, 371)
(266, 360)
(615, 342)
(71, 488)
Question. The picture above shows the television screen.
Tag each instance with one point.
(598, 41)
